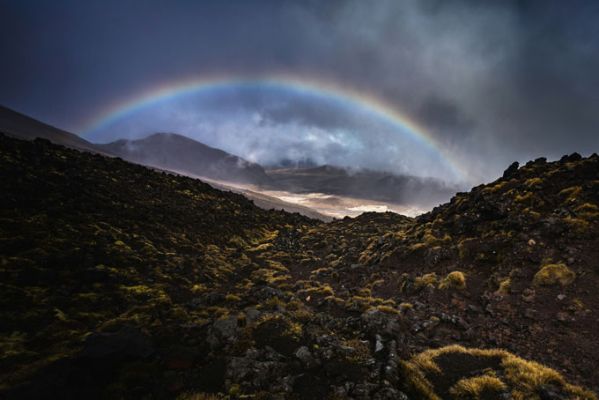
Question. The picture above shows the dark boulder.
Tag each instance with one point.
(511, 170)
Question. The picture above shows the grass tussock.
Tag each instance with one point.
(532, 182)
(473, 388)
(387, 309)
(425, 280)
(553, 274)
(454, 280)
(506, 372)
(504, 287)
(570, 194)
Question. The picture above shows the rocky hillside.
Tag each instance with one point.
(174, 151)
(118, 281)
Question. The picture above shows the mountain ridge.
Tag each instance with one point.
(178, 152)
(22, 126)
(346, 187)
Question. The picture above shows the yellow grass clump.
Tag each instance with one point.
(504, 286)
(454, 280)
(522, 379)
(571, 194)
(578, 225)
(588, 211)
(553, 274)
(533, 182)
(472, 388)
(425, 280)
(387, 309)
(521, 198)
(495, 188)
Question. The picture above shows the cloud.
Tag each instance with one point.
(493, 82)
(284, 126)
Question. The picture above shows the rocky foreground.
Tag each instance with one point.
(122, 282)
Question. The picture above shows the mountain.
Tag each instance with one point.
(181, 154)
(24, 127)
(184, 155)
(364, 183)
(18, 125)
(119, 281)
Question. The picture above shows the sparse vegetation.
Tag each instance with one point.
(521, 198)
(425, 280)
(522, 379)
(453, 280)
(360, 351)
(532, 182)
(588, 211)
(387, 309)
(570, 194)
(474, 388)
(504, 286)
(157, 285)
(553, 274)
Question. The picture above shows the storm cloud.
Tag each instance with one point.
(493, 82)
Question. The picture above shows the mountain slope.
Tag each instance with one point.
(181, 154)
(118, 281)
(528, 245)
(95, 244)
(21, 126)
(18, 125)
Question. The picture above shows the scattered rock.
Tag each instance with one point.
(305, 356)
(378, 346)
(511, 170)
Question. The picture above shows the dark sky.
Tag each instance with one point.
(493, 81)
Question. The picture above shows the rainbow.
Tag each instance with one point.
(341, 95)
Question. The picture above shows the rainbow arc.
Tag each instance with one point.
(341, 95)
